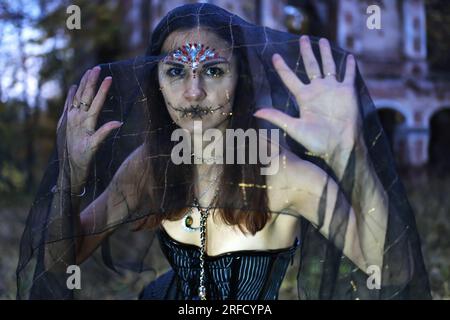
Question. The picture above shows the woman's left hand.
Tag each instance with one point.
(329, 109)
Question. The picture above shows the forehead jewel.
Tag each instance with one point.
(193, 54)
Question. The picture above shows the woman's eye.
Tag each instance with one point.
(214, 72)
(175, 72)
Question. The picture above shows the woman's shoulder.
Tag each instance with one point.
(294, 177)
(291, 167)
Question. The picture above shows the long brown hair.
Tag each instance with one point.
(242, 194)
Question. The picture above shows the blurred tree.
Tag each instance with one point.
(12, 147)
(17, 18)
(27, 128)
(97, 41)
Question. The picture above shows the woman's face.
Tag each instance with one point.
(198, 78)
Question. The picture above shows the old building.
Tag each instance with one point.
(414, 106)
(393, 60)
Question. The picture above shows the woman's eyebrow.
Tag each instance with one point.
(213, 63)
(173, 63)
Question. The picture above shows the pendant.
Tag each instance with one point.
(188, 221)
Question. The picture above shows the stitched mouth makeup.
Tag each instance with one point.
(196, 111)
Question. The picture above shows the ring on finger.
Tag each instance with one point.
(75, 106)
(314, 76)
(84, 104)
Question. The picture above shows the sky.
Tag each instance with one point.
(19, 76)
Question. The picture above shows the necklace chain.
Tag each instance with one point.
(204, 213)
(187, 220)
(210, 184)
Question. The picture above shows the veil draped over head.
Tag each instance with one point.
(324, 272)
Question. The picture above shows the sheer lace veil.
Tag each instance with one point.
(324, 272)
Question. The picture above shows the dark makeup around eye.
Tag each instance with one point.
(226, 65)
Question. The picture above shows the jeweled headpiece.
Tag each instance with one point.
(193, 54)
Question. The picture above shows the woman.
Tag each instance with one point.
(228, 224)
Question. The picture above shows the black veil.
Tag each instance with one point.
(323, 272)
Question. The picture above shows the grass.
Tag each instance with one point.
(430, 199)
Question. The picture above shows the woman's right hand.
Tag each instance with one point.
(83, 106)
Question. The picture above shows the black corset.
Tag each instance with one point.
(237, 275)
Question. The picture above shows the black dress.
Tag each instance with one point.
(237, 275)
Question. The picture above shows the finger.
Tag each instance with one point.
(289, 78)
(67, 104)
(309, 60)
(77, 98)
(350, 70)
(329, 66)
(71, 95)
(89, 90)
(278, 118)
(101, 134)
(100, 97)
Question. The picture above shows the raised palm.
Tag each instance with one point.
(83, 105)
(329, 109)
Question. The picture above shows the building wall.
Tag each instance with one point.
(392, 60)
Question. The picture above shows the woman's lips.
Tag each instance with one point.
(197, 112)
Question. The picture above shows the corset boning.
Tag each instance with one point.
(237, 275)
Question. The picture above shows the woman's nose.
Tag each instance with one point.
(194, 91)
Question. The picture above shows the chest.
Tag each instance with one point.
(279, 232)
